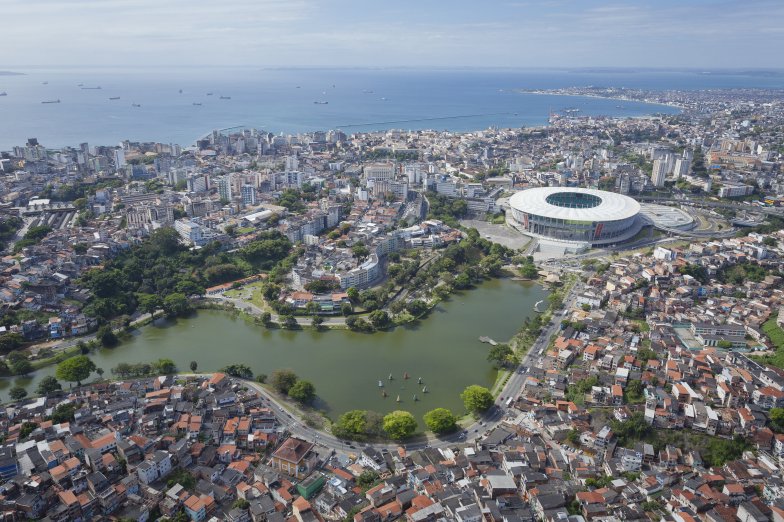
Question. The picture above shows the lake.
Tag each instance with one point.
(345, 367)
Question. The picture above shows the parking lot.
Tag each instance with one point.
(500, 234)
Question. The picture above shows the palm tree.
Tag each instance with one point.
(194, 365)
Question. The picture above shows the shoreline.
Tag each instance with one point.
(598, 97)
(230, 311)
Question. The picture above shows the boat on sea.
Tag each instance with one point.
(196, 103)
(419, 381)
(225, 97)
(3, 93)
(96, 88)
(405, 375)
(415, 398)
(209, 94)
(380, 384)
(321, 102)
(383, 98)
(51, 101)
(114, 98)
(44, 83)
(366, 91)
(180, 91)
(424, 390)
(390, 376)
(398, 399)
(384, 393)
(135, 105)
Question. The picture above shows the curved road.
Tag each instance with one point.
(486, 423)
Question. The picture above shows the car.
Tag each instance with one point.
(352, 446)
(482, 423)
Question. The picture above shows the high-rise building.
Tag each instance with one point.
(659, 173)
(682, 166)
(248, 193)
(119, 158)
(291, 164)
(224, 187)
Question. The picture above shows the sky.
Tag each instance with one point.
(417, 33)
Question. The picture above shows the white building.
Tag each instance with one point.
(379, 171)
(659, 173)
(189, 231)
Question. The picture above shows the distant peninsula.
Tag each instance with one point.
(11, 73)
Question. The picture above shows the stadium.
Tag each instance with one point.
(576, 218)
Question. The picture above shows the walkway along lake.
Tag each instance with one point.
(444, 350)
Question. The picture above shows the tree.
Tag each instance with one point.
(193, 366)
(724, 344)
(64, 413)
(499, 355)
(303, 392)
(399, 424)
(149, 303)
(266, 318)
(346, 309)
(20, 366)
(440, 420)
(238, 370)
(48, 385)
(176, 304)
(367, 479)
(316, 322)
(10, 342)
(100, 372)
(379, 319)
(106, 336)
(776, 418)
(283, 380)
(240, 503)
(76, 369)
(416, 307)
(634, 392)
(477, 399)
(17, 393)
(290, 322)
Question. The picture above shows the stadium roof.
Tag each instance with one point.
(611, 207)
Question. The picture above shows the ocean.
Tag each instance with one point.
(174, 105)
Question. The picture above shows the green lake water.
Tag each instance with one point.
(444, 350)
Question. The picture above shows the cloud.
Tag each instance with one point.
(696, 33)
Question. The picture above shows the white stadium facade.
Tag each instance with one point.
(576, 218)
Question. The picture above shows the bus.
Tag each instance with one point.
(509, 402)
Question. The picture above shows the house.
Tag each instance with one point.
(294, 458)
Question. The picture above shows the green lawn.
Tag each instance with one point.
(776, 336)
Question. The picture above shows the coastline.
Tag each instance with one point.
(596, 96)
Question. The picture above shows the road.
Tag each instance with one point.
(484, 424)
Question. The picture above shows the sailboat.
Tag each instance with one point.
(415, 398)
(380, 384)
(398, 399)
(419, 381)
(384, 393)
(390, 376)
(405, 375)
(424, 390)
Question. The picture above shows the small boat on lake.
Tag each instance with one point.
(405, 375)
(424, 390)
(114, 98)
(398, 399)
(390, 376)
(51, 101)
(380, 384)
